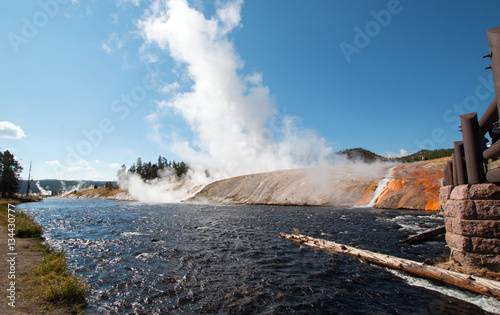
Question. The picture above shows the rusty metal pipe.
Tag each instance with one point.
(472, 149)
(494, 45)
(492, 152)
(489, 117)
(459, 161)
(454, 164)
(448, 174)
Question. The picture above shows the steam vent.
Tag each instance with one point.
(470, 196)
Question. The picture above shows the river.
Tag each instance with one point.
(203, 258)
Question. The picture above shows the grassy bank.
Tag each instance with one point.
(46, 280)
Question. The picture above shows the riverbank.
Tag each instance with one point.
(411, 186)
(34, 278)
(114, 193)
(336, 185)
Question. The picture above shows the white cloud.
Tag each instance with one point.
(169, 87)
(113, 43)
(81, 165)
(402, 152)
(80, 170)
(229, 16)
(53, 163)
(106, 48)
(115, 166)
(94, 175)
(254, 78)
(115, 19)
(10, 131)
(121, 3)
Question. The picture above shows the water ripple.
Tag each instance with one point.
(185, 258)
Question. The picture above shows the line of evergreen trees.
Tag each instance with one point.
(149, 171)
(10, 171)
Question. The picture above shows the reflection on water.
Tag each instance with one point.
(191, 258)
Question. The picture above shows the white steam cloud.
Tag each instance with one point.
(236, 126)
(43, 191)
(234, 120)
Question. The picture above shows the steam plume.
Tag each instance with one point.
(236, 126)
(231, 114)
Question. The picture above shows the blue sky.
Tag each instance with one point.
(90, 85)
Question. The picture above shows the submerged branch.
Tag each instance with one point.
(425, 236)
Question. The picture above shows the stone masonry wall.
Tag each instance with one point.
(472, 218)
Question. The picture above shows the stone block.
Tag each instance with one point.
(479, 228)
(487, 209)
(451, 225)
(473, 244)
(461, 209)
(460, 192)
(444, 195)
(490, 261)
(487, 191)
(482, 245)
(458, 242)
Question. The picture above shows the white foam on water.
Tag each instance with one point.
(130, 233)
(486, 303)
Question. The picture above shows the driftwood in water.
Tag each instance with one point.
(472, 283)
(426, 235)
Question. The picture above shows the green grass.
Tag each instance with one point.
(51, 280)
(54, 282)
(25, 226)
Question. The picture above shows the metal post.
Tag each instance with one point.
(459, 161)
(448, 174)
(472, 148)
(489, 117)
(494, 44)
(454, 164)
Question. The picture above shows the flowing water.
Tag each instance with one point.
(381, 186)
(192, 258)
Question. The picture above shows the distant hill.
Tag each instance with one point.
(426, 155)
(363, 155)
(360, 154)
(56, 186)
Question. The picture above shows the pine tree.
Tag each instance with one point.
(149, 171)
(139, 167)
(10, 171)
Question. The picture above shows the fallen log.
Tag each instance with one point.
(424, 236)
(472, 283)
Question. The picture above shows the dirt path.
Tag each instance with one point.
(27, 256)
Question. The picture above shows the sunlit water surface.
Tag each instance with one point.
(192, 258)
